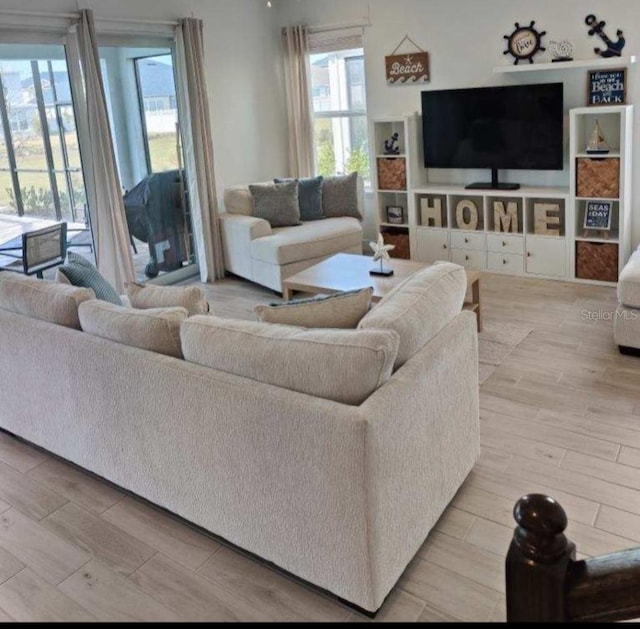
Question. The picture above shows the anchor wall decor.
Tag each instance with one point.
(614, 49)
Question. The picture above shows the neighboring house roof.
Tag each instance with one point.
(63, 89)
(156, 78)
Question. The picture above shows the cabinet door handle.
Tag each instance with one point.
(466, 258)
(444, 246)
(504, 244)
(466, 240)
(528, 254)
(504, 262)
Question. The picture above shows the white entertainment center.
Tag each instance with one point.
(531, 231)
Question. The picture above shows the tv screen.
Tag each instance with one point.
(513, 127)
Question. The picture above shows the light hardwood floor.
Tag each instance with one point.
(561, 415)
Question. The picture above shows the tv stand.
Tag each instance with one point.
(493, 185)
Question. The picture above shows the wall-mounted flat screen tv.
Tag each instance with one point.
(511, 127)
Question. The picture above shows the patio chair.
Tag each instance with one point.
(41, 249)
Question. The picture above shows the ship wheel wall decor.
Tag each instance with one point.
(524, 42)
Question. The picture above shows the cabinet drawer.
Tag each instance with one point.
(468, 258)
(505, 262)
(432, 245)
(468, 240)
(501, 243)
(546, 256)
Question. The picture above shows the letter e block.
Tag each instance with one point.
(546, 217)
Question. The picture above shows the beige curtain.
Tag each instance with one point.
(196, 137)
(298, 92)
(104, 195)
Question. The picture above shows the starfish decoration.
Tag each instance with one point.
(380, 250)
(409, 60)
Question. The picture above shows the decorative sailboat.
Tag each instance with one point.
(598, 145)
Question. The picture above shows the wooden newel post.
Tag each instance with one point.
(538, 562)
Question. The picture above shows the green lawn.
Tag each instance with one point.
(30, 155)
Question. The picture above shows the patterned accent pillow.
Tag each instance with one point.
(340, 196)
(80, 272)
(342, 310)
(309, 196)
(276, 203)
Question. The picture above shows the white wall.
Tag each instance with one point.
(242, 47)
(464, 39)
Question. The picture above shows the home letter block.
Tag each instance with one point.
(544, 223)
(505, 220)
(431, 212)
(461, 219)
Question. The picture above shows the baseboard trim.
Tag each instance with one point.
(221, 540)
(629, 351)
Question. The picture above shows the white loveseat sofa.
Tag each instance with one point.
(627, 320)
(265, 255)
(340, 495)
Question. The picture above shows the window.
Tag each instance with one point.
(340, 112)
(40, 169)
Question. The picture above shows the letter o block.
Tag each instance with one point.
(467, 215)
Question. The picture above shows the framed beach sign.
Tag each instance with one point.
(607, 87)
(408, 68)
(597, 216)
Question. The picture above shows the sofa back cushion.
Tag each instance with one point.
(155, 329)
(341, 365)
(238, 200)
(418, 308)
(342, 310)
(41, 299)
(340, 196)
(150, 296)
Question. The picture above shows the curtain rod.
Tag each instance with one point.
(364, 22)
(98, 18)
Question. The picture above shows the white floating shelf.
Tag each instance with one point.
(610, 154)
(596, 62)
(400, 156)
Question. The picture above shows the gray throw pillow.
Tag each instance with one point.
(80, 272)
(340, 196)
(276, 203)
(309, 197)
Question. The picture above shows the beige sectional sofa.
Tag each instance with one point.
(340, 494)
(627, 320)
(265, 255)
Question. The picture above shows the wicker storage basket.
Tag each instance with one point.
(401, 241)
(597, 261)
(392, 174)
(598, 178)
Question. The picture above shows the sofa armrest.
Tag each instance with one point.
(629, 283)
(237, 233)
(423, 438)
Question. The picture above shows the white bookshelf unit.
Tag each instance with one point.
(532, 231)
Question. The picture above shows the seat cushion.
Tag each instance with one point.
(307, 241)
(155, 329)
(418, 308)
(150, 296)
(40, 299)
(80, 272)
(341, 365)
(629, 282)
(342, 310)
(276, 203)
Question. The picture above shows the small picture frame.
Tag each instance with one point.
(597, 215)
(395, 214)
(607, 87)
